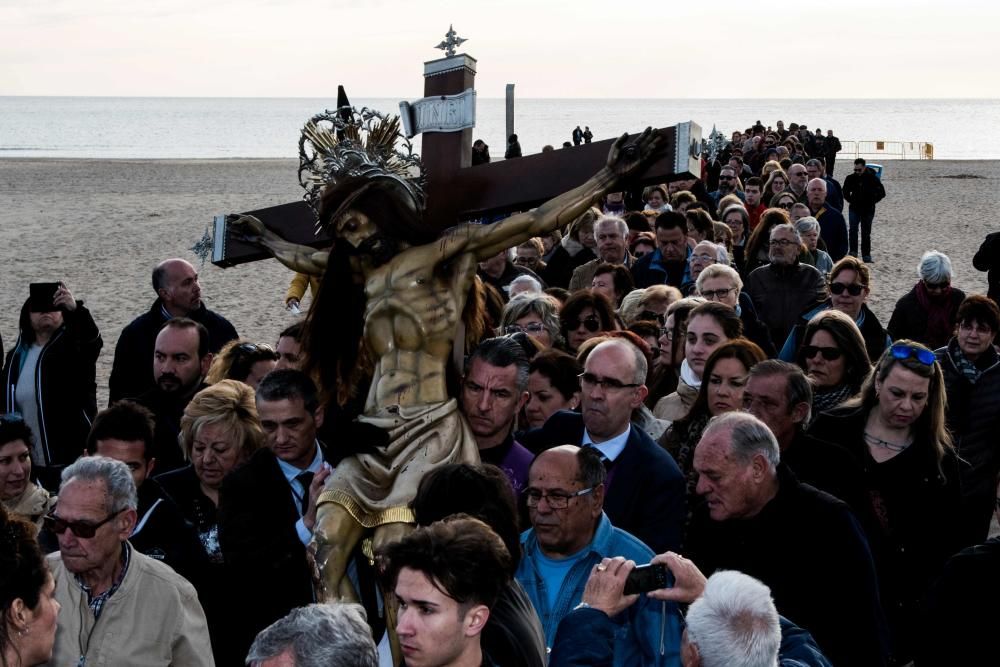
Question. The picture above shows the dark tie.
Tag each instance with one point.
(305, 479)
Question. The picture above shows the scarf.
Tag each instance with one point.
(967, 368)
(688, 376)
(829, 399)
(939, 315)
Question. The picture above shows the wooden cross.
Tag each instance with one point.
(457, 191)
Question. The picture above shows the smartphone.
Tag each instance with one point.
(41, 296)
(645, 578)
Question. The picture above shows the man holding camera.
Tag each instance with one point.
(569, 539)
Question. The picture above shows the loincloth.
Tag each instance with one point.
(376, 487)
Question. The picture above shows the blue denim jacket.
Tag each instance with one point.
(648, 633)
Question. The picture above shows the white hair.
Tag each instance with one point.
(734, 623)
(319, 635)
(807, 224)
(116, 476)
(619, 222)
(935, 267)
(788, 227)
(750, 436)
(719, 271)
(529, 285)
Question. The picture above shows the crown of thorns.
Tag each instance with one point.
(355, 145)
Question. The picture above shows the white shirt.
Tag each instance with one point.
(612, 448)
(298, 491)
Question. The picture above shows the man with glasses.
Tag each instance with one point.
(667, 265)
(494, 390)
(784, 287)
(119, 607)
(727, 186)
(645, 489)
(798, 177)
(862, 189)
(569, 538)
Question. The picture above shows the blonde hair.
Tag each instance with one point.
(236, 359)
(230, 404)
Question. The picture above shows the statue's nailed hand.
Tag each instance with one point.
(626, 157)
(250, 229)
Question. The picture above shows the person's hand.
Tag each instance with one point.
(606, 584)
(689, 582)
(315, 488)
(292, 305)
(63, 299)
(624, 158)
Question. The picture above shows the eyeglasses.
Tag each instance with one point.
(782, 243)
(829, 353)
(727, 178)
(786, 205)
(978, 328)
(667, 332)
(921, 354)
(609, 384)
(938, 286)
(525, 260)
(853, 289)
(557, 500)
(702, 258)
(716, 294)
(529, 328)
(82, 529)
(651, 315)
(591, 324)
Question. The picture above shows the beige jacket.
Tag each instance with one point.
(153, 620)
(32, 505)
(676, 405)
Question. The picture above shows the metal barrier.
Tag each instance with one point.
(893, 150)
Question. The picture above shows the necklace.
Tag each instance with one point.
(885, 444)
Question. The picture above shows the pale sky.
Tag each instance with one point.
(548, 48)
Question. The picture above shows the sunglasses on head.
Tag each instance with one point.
(254, 348)
(82, 529)
(591, 324)
(852, 289)
(829, 353)
(921, 354)
(651, 316)
(12, 418)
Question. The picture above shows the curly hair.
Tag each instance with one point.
(230, 404)
(23, 574)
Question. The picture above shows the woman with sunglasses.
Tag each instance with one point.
(895, 429)
(850, 285)
(709, 326)
(834, 359)
(534, 314)
(20, 496)
(971, 368)
(242, 361)
(585, 314)
(927, 313)
(28, 607)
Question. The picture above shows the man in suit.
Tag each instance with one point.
(645, 488)
(267, 506)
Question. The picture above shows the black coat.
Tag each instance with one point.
(65, 386)
(162, 532)
(560, 266)
(646, 490)
(168, 410)
(987, 258)
(863, 191)
(132, 371)
(909, 319)
(810, 550)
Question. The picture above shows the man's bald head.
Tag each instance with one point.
(176, 283)
(816, 192)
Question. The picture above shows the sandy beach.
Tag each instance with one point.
(101, 225)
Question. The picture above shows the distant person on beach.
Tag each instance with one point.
(587, 134)
(988, 259)
(578, 136)
(513, 148)
(863, 189)
(480, 153)
(178, 294)
(833, 146)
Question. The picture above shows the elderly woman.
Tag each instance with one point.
(722, 283)
(850, 285)
(736, 218)
(20, 496)
(243, 361)
(927, 313)
(971, 368)
(834, 359)
(613, 281)
(585, 315)
(577, 248)
(709, 326)
(808, 228)
(536, 315)
(28, 607)
(895, 429)
(523, 284)
(553, 385)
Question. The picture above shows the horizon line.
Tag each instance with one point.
(383, 97)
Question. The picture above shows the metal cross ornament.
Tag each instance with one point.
(451, 41)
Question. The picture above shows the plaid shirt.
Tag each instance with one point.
(96, 603)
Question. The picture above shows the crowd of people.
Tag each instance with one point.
(686, 376)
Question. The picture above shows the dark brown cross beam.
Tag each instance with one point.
(458, 192)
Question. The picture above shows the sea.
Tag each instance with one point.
(190, 127)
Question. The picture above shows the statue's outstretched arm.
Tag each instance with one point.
(297, 257)
(623, 160)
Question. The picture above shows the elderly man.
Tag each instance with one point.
(667, 265)
(570, 537)
(119, 606)
(797, 179)
(178, 294)
(804, 544)
(181, 359)
(318, 635)
(494, 390)
(816, 168)
(832, 226)
(645, 492)
(611, 234)
(784, 287)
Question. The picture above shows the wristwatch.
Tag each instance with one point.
(582, 605)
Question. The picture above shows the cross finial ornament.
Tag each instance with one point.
(451, 41)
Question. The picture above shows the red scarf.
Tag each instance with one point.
(939, 316)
